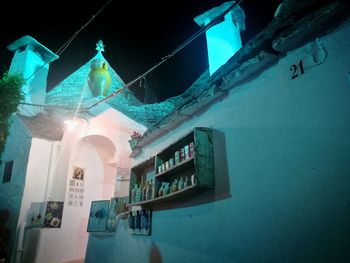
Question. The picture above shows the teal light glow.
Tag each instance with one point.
(223, 41)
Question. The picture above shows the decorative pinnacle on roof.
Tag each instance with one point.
(100, 46)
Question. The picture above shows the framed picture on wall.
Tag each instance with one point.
(119, 205)
(78, 173)
(117, 208)
(53, 215)
(36, 214)
(98, 216)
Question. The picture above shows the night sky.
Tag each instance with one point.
(136, 36)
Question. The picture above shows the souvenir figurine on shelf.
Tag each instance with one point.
(144, 192)
(177, 157)
(149, 193)
(187, 182)
(191, 149)
(160, 191)
(182, 154)
(193, 179)
(171, 162)
(181, 183)
(133, 194)
(166, 189)
(138, 194)
(187, 152)
(174, 186)
(171, 188)
(167, 165)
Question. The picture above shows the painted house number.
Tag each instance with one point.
(297, 69)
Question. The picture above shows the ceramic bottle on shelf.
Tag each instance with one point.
(144, 192)
(160, 191)
(181, 183)
(193, 179)
(138, 194)
(186, 182)
(149, 193)
(175, 186)
(133, 194)
(166, 189)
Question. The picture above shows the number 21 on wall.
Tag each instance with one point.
(297, 69)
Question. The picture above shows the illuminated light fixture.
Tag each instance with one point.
(71, 124)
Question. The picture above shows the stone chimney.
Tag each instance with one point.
(32, 60)
(223, 39)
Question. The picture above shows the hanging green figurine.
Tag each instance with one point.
(99, 79)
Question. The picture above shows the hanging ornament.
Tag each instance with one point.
(99, 79)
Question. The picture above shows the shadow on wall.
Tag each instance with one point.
(221, 189)
(154, 254)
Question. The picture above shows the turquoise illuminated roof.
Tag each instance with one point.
(74, 88)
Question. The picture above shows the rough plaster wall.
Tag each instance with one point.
(72, 237)
(35, 184)
(17, 148)
(99, 146)
(287, 146)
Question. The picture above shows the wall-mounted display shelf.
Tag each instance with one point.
(177, 171)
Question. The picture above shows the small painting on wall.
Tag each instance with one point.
(53, 215)
(78, 173)
(36, 214)
(98, 216)
(119, 205)
(117, 208)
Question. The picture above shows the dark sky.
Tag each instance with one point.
(136, 35)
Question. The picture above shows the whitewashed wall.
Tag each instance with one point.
(287, 149)
(11, 192)
(99, 146)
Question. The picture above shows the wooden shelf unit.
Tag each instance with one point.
(200, 165)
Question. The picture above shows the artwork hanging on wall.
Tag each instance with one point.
(117, 208)
(78, 173)
(76, 193)
(119, 205)
(98, 216)
(45, 214)
(53, 214)
(36, 214)
(140, 221)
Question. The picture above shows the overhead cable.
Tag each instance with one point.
(69, 41)
(180, 47)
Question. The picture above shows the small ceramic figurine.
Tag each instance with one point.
(160, 191)
(166, 189)
(181, 183)
(133, 194)
(175, 187)
(144, 192)
(187, 182)
(149, 193)
(138, 194)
